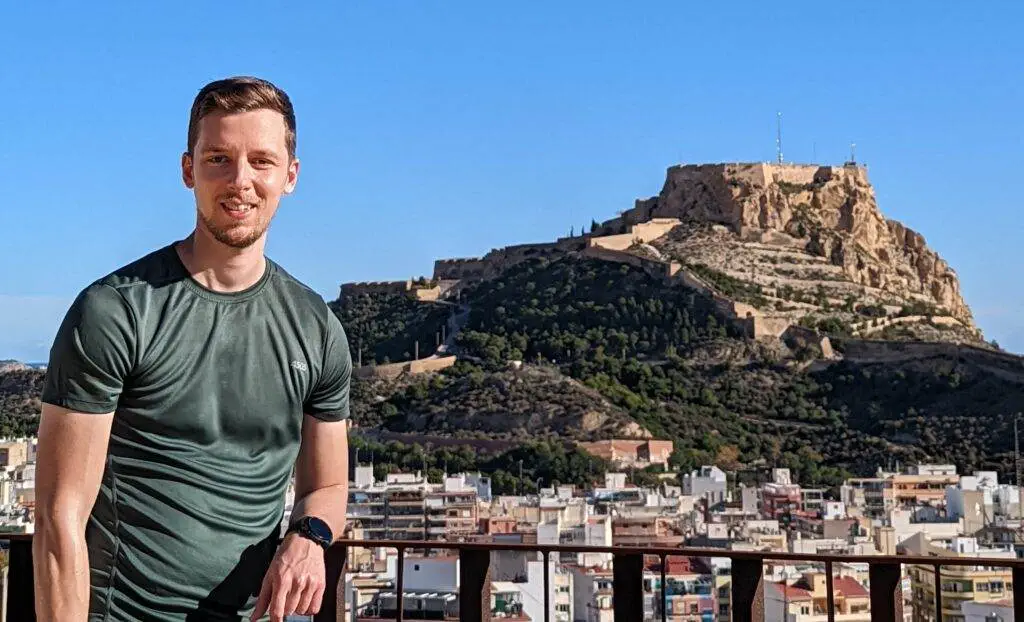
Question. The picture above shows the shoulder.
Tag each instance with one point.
(153, 270)
(303, 298)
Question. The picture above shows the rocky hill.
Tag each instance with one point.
(20, 388)
(808, 243)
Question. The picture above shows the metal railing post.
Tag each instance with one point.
(332, 607)
(628, 587)
(886, 592)
(547, 587)
(400, 586)
(747, 590)
(1018, 594)
(21, 593)
(830, 593)
(474, 585)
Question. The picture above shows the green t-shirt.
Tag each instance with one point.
(209, 391)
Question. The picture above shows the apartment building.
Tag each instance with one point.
(959, 584)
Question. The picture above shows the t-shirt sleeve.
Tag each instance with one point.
(329, 398)
(92, 354)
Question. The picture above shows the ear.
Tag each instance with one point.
(293, 176)
(187, 172)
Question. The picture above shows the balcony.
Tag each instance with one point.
(747, 586)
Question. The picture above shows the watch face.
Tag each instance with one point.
(319, 529)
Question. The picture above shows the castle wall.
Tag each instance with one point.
(457, 269)
(392, 371)
(427, 294)
(376, 287)
(644, 232)
(653, 267)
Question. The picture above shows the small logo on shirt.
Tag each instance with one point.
(299, 365)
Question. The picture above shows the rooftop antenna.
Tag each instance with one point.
(778, 136)
(853, 153)
(1016, 450)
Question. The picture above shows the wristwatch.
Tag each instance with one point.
(314, 529)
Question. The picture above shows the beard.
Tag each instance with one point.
(238, 236)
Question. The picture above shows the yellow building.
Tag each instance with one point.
(806, 600)
(723, 586)
(960, 584)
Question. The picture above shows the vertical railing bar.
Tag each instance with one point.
(830, 592)
(664, 592)
(938, 592)
(547, 587)
(400, 585)
(20, 586)
(1017, 573)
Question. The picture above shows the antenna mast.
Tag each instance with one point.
(853, 153)
(778, 136)
(1016, 450)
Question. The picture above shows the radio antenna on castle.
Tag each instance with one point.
(853, 153)
(778, 136)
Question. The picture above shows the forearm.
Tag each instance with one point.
(328, 504)
(61, 573)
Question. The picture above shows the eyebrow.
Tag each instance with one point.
(224, 148)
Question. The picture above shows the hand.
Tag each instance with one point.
(294, 583)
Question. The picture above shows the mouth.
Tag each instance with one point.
(237, 210)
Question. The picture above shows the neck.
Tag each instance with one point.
(219, 267)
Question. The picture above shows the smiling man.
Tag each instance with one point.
(181, 392)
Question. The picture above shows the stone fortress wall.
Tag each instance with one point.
(425, 293)
(392, 371)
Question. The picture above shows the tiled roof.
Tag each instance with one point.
(792, 593)
(849, 587)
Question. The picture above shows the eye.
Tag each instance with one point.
(217, 159)
(263, 162)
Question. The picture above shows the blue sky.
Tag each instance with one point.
(442, 128)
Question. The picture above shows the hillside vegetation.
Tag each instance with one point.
(573, 349)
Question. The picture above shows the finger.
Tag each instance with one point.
(317, 600)
(280, 600)
(302, 606)
(295, 592)
(262, 602)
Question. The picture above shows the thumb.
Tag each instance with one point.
(263, 602)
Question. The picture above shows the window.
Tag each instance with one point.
(723, 610)
(562, 608)
(805, 610)
(416, 567)
(981, 586)
(996, 586)
(723, 592)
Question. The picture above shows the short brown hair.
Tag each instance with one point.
(241, 94)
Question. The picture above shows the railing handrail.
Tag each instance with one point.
(925, 560)
(688, 552)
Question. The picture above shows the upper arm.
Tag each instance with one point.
(323, 456)
(328, 400)
(70, 461)
(92, 356)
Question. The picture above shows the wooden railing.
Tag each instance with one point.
(747, 581)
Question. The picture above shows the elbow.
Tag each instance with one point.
(56, 529)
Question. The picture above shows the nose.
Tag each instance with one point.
(241, 174)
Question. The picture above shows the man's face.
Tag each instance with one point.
(239, 168)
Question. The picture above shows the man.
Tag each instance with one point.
(181, 391)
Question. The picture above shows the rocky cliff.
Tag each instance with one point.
(828, 212)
